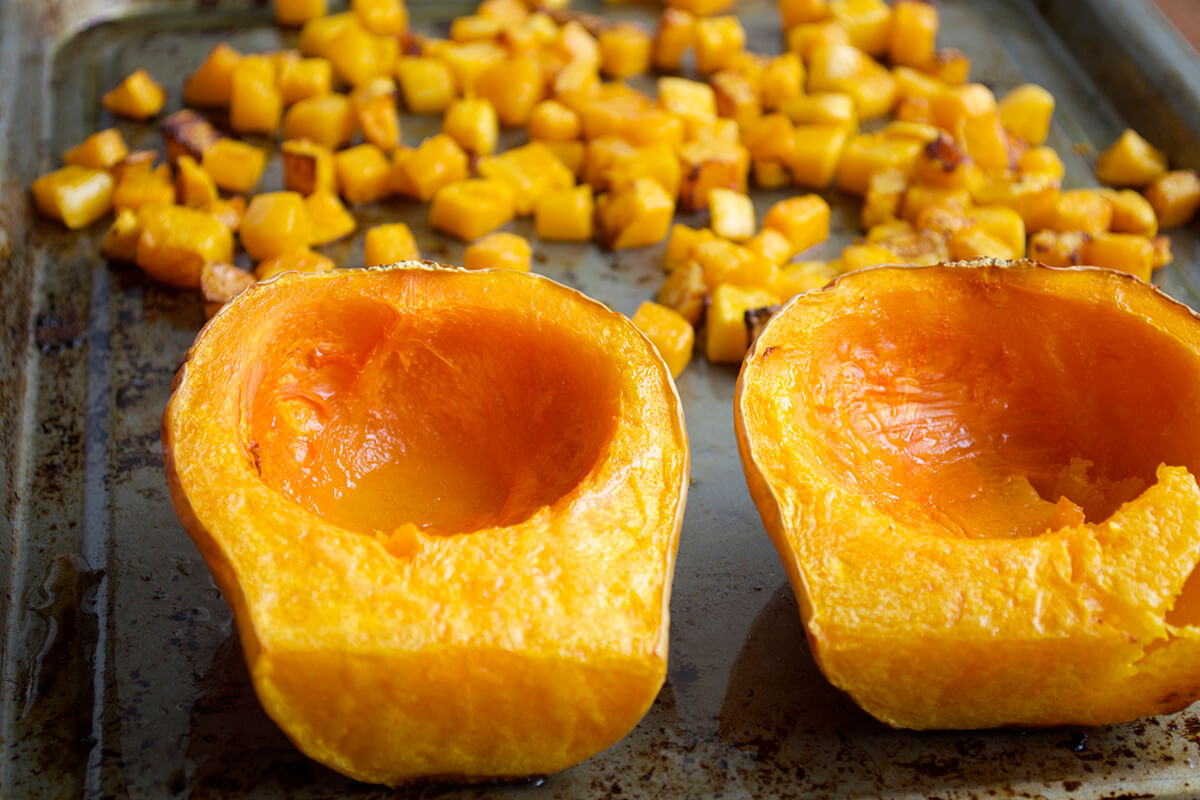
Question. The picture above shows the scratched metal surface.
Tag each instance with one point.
(121, 673)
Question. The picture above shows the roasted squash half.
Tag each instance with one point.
(980, 479)
(444, 508)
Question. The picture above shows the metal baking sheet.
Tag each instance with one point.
(121, 675)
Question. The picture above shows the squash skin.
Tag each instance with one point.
(928, 630)
(504, 652)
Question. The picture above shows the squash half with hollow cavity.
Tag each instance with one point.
(980, 479)
(444, 507)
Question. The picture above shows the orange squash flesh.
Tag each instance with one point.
(980, 481)
(444, 507)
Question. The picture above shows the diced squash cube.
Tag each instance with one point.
(565, 215)
(327, 120)
(531, 171)
(974, 242)
(635, 215)
(671, 334)
(1084, 210)
(302, 78)
(358, 55)
(328, 219)
(711, 166)
(727, 337)
(711, 131)
(985, 141)
(1175, 197)
(229, 211)
(140, 187)
(386, 17)
(437, 162)
(220, 283)
(255, 103)
(212, 82)
(827, 108)
(700, 8)
(76, 196)
(913, 35)
(920, 196)
(890, 230)
(1162, 251)
(949, 65)
(374, 104)
(389, 244)
(914, 109)
(275, 222)
(1026, 111)
(474, 28)
(686, 98)
(957, 103)
(513, 86)
(737, 98)
(469, 209)
(294, 13)
(717, 41)
(802, 276)
(319, 33)
(868, 23)
(673, 38)
(499, 250)
(685, 292)
(866, 154)
(121, 238)
(363, 173)
(656, 161)
(681, 242)
(771, 245)
(912, 84)
(193, 186)
(138, 96)
(99, 151)
(474, 124)
(1042, 159)
(846, 69)
(861, 256)
(921, 248)
(807, 38)
(1131, 162)
(732, 214)
(1056, 249)
(571, 153)
(797, 12)
(770, 173)
(307, 167)
(1034, 196)
(1131, 212)
(804, 220)
(551, 120)
(176, 242)
(885, 190)
(625, 50)
(427, 84)
(1003, 224)
(504, 11)
(187, 133)
(782, 81)
(301, 259)
(727, 262)
(468, 61)
(1120, 251)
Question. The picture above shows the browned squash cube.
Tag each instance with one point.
(513, 86)
(499, 250)
(76, 196)
(307, 167)
(138, 96)
(389, 244)
(469, 209)
(1175, 197)
(212, 82)
(625, 50)
(636, 215)
(363, 173)
(427, 84)
(256, 103)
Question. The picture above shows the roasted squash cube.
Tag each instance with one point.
(1131, 161)
(701, 8)
(374, 104)
(772, 245)
(1126, 252)
(389, 244)
(913, 36)
(220, 283)
(138, 96)
(1056, 249)
(499, 250)
(363, 173)
(625, 50)
(302, 78)
(328, 219)
(469, 209)
(671, 334)
(806, 38)
(176, 242)
(101, 150)
(680, 243)
(187, 133)
(782, 81)
(846, 69)
(1175, 197)
(717, 41)
(468, 61)
(437, 162)
(635, 215)
(798, 12)
(121, 238)
(1131, 212)
(974, 242)
(1042, 159)
(921, 196)
(318, 35)
(866, 154)
(711, 166)
(1026, 111)
(802, 276)
(551, 120)
(531, 171)
(301, 259)
(885, 191)
(358, 55)
(275, 222)
(985, 141)
(868, 24)
(255, 103)
(385, 17)
(294, 13)
(76, 196)
(234, 166)
(686, 98)
(565, 215)
(732, 214)
(140, 187)
(1002, 223)
(737, 98)
(307, 167)
(826, 108)
(724, 261)
(656, 161)
(474, 124)
(861, 256)
(427, 84)
(193, 186)
(1084, 210)
(212, 82)
(727, 336)
(804, 220)
(673, 38)
(685, 292)
(513, 86)
(327, 120)
(957, 103)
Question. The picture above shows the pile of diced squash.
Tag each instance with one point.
(861, 100)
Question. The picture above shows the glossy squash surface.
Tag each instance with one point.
(980, 481)
(444, 507)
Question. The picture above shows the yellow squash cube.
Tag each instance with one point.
(635, 215)
(1131, 162)
(220, 283)
(673, 38)
(388, 244)
(913, 36)
(176, 242)
(307, 167)
(1026, 111)
(1174, 197)
(193, 186)
(565, 215)
(771, 245)
(140, 187)
(727, 337)
(327, 120)
(803, 220)
(1084, 210)
(76, 196)
(732, 214)
(803, 276)
(684, 291)
(499, 250)
(299, 260)
(121, 238)
(386, 17)
(138, 96)
(846, 69)
(717, 41)
(625, 50)
(294, 13)
(255, 101)
(437, 162)
(868, 24)
(708, 166)
(727, 262)
(363, 173)
(474, 124)
(99, 151)
(531, 171)
(1120, 251)
(1131, 212)
(866, 154)
(212, 82)
(427, 84)
(328, 219)
(301, 78)
(275, 222)
(469, 209)
(671, 334)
